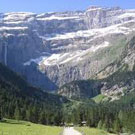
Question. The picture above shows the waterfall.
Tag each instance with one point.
(5, 54)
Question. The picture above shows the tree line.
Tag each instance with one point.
(114, 117)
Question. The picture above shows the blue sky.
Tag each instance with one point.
(40, 6)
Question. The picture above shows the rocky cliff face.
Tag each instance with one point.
(81, 89)
(52, 49)
(119, 76)
(114, 81)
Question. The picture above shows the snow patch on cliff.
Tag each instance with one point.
(62, 58)
(95, 48)
(130, 14)
(57, 18)
(114, 29)
(13, 28)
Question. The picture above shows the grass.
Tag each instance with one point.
(92, 131)
(13, 127)
(111, 52)
(98, 98)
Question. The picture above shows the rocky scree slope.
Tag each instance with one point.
(53, 49)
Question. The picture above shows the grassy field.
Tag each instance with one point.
(98, 98)
(92, 131)
(12, 127)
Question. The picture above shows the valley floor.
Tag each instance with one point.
(92, 131)
(13, 127)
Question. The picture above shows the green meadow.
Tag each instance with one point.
(99, 98)
(13, 127)
(92, 131)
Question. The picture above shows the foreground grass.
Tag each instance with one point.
(13, 127)
(91, 131)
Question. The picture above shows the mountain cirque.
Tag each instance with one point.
(53, 49)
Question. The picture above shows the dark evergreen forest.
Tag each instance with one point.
(20, 101)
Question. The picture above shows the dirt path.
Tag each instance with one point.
(71, 131)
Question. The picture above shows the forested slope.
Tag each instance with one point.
(19, 100)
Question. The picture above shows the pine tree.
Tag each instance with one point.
(29, 114)
(35, 114)
(57, 118)
(104, 127)
(0, 114)
(42, 118)
(120, 115)
(117, 126)
(88, 122)
(17, 114)
(76, 117)
(100, 124)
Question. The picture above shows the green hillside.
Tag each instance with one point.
(21, 101)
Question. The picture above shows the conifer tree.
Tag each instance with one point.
(100, 124)
(17, 114)
(42, 118)
(117, 126)
(0, 114)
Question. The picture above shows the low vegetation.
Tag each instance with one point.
(92, 131)
(14, 127)
(99, 98)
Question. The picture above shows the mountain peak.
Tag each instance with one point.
(74, 41)
(91, 8)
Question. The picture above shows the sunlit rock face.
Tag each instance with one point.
(52, 49)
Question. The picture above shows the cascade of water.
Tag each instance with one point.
(5, 54)
(5, 47)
